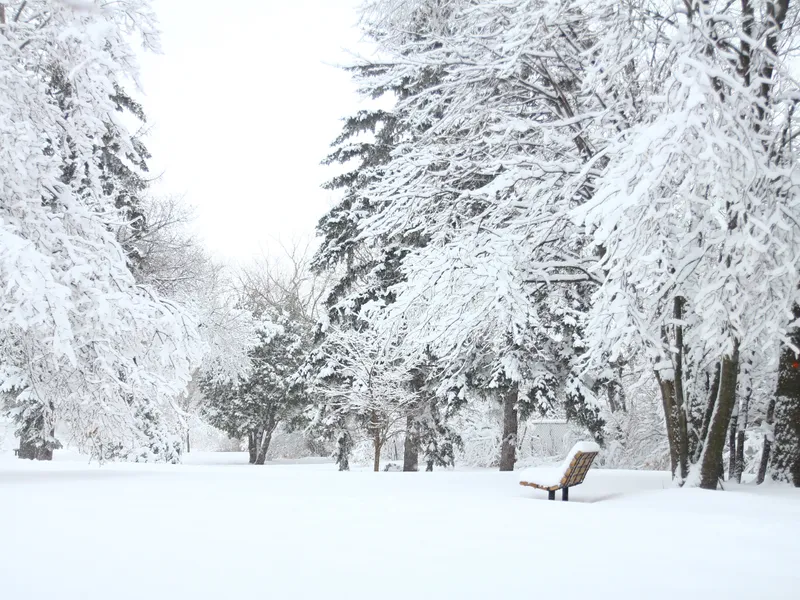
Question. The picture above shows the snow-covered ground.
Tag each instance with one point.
(217, 528)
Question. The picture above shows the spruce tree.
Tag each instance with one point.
(253, 405)
(366, 270)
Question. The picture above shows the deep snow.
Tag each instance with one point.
(73, 531)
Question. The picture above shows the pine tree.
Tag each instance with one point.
(253, 405)
(501, 258)
(365, 270)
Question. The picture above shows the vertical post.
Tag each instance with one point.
(565, 494)
(551, 494)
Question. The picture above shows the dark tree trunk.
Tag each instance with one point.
(711, 402)
(411, 446)
(667, 390)
(714, 444)
(732, 430)
(744, 417)
(252, 447)
(377, 445)
(673, 397)
(738, 467)
(188, 443)
(768, 439)
(344, 445)
(263, 441)
(680, 398)
(261, 451)
(786, 458)
(508, 449)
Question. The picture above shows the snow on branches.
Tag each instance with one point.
(81, 340)
(577, 190)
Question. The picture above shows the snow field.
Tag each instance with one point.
(77, 532)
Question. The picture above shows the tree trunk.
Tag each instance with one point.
(377, 444)
(768, 439)
(680, 398)
(711, 456)
(252, 447)
(264, 440)
(188, 443)
(667, 399)
(786, 459)
(508, 449)
(733, 429)
(411, 446)
(344, 445)
(711, 402)
(738, 466)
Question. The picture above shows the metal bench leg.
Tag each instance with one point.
(565, 494)
(551, 494)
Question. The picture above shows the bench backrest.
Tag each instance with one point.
(578, 467)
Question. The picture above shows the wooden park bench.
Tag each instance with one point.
(570, 473)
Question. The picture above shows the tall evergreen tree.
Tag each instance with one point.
(366, 269)
(501, 268)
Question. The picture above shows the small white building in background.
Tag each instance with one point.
(544, 439)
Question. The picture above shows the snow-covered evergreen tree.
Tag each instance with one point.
(254, 404)
(364, 269)
(496, 161)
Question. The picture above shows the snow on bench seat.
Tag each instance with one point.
(570, 473)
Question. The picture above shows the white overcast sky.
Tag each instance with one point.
(243, 104)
